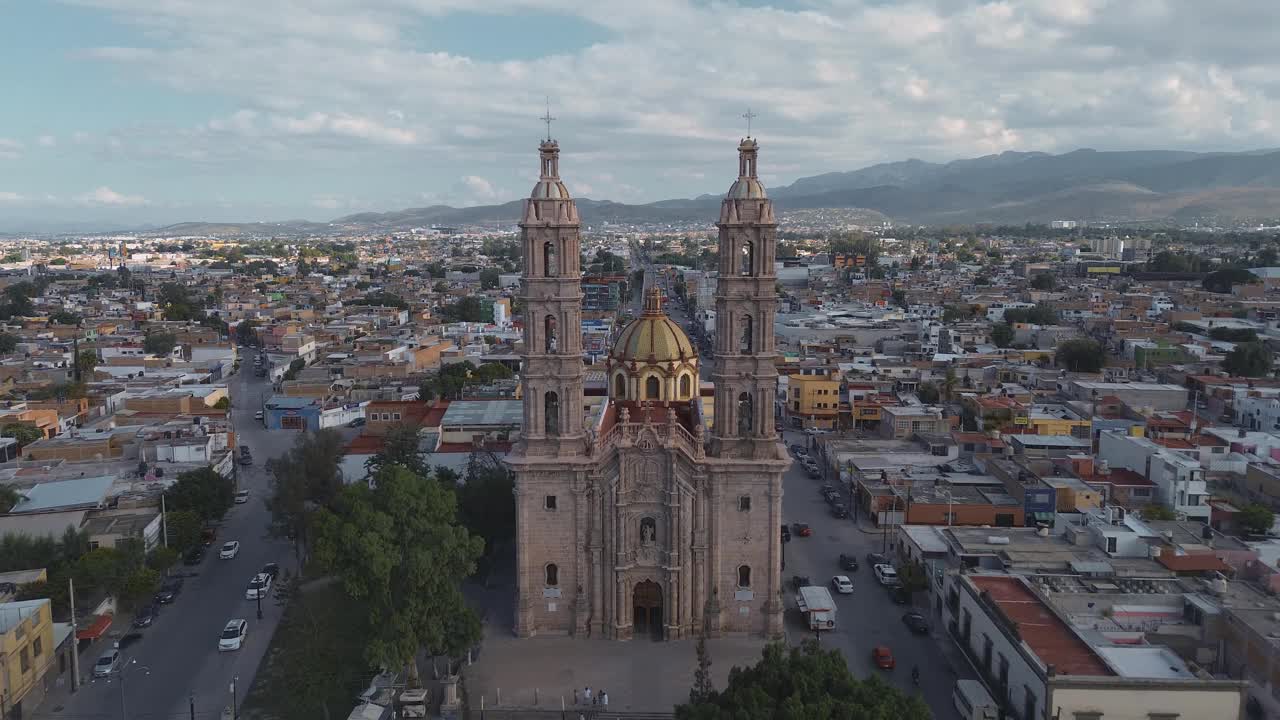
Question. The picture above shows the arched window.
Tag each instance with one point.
(553, 575)
(619, 387)
(550, 265)
(551, 413)
(648, 531)
(549, 333)
(686, 386)
(652, 388)
(746, 414)
(744, 576)
(744, 344)
(748, 259)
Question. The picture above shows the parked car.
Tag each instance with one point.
(107, 663)
(882, 656)
(886, 575)
(916, 622)
(271, 569)
(899, 595)
(233, 635)
(874, 558)
(145, 615)
(801, 529)
(242, 497)
(842, 584)
(358, 422)
(194, 556)
(208, 535)
(832, 497)
(229, 550)
(258, 415)
(798, 450)
(786, 534)
(812, 471)
(259, 586)
(838, 510)
(246, 459)
(799, 581)
(169, 590)
(848, 562)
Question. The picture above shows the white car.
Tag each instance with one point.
(258, 587)
(886, 575)
(107, 663)
(232, 637)
(242, 497)
(258, 415)
(842, 584)
(229, 550)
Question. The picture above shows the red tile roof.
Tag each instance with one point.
(1193, 562)
(1047, 636)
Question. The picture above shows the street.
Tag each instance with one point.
(178, 657)
(868, 617)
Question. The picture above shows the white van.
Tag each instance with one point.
(973, 702)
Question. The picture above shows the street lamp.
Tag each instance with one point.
(258, 596)
(131, 665)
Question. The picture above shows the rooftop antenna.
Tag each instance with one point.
(749, 116)
(547, 118)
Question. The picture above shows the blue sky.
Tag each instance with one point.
(128, 112)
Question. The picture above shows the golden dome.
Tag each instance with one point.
(653, 337)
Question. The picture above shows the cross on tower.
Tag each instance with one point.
(547, 119)
(749, 117)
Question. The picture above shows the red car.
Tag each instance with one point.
(882, 657)
(802, 529)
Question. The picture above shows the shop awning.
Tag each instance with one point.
(96, 628)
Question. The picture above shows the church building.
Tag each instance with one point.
(644, 519)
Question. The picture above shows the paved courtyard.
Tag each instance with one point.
(639, 675)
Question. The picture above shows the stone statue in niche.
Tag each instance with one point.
(648, 531)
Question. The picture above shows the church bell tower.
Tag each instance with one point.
(745, 301)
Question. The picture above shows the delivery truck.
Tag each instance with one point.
(815, 602)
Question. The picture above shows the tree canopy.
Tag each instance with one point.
(399, 552)
(1041, 314)
(399, 447)
(1080, 355)
(1044, 281)
(160, 343)
(1002, 335)
(1256, 519)
(1220, 281)
(803, 682)
(203, 492)
(1251, 359)
(303, 479)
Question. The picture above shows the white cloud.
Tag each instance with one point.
(46, 141)
(10, 197)
(9, 149)
(105, 196)
(352, 126)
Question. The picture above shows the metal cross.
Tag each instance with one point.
(547, 119)
(749, 117)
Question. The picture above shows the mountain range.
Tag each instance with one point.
(1155, 187)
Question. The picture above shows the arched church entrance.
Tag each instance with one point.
(646, 604)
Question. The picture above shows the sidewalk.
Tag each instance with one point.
(59, 692)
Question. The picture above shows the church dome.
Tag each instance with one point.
(747, 186)
(653, 337)
(747, 189)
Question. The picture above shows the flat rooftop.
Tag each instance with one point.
(484, 413)
(1043, 632)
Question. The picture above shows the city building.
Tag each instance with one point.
(633, 523)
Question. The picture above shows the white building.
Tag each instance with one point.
(1179, 480)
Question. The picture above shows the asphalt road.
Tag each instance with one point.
(868, 617)
(178, 656)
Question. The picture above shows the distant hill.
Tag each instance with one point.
(1151, 186)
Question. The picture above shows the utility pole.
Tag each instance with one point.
(191, 700)
(235, 711)
(75, 640)
(164, 521)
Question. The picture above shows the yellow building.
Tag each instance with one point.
(26, 641)
(813, 401)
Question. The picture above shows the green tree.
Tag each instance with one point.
(486, 501)
(224, 403)
(1220, 281)
(1080, 355)
(1234, 335)
(1044, 281)
(24, 433)
(489, 278)
(399, 553)
(183, 528)
(1002, 335)
(440, 287)
(400, 446)
(1256, 519)
(467, 309)
(203, 492)
(900, 298)
(703, 689)
(1041, 314)
(1158, 512)
(1248, 360)
(160, 343)
(928, 393)
(303, 480)
(86, 361)
(295, 367)
(427, 390)
(8, 498)
(162, 558)
(489, 372)
(804, 682)
(246, 332)
(8, 343)
(136, 587)
(64, 317)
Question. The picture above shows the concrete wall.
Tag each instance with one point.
(1132, 701)
(1022, 674)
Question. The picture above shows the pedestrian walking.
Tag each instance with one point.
(575, 696)
(604, 698)
(586, 695)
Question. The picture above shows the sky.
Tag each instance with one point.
(134, 112)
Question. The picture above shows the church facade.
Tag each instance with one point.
(637, 521)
